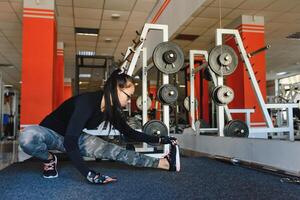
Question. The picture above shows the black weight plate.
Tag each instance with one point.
(223, 60)
(238, 128)
(168, 57)
(213, 94)
(226, 131)
(155, 128)
(167, 94)
(134, 123)
(222, 95)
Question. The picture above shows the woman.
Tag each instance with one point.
(62, 130)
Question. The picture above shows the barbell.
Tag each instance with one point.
(168, 57)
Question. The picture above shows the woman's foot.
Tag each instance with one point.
(50, 167)
(171, 161)
(174, 158)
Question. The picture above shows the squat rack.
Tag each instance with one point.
(108, 60)
(255, 132)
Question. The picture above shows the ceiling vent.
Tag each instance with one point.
(294, 36)
(86, 31)
(186, 37)
(6, 65)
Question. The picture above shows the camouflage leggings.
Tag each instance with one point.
(37, 140)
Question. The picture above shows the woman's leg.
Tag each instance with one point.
(37, 140)
(92, 146)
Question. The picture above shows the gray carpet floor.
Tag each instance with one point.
(200, 178)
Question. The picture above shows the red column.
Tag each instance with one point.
(39, 52)
(252, 33)
(58, 76)
(67, 91)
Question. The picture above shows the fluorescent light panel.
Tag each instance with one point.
(108, 40)
(87, 34)
(281, 73)
(85, 75)
(115, 16)
(86, 53)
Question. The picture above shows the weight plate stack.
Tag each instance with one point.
(223, 60)
(155, 128)
(222, 95)
(236, 128)
(134, 123)
(167, 94)
(168, 57)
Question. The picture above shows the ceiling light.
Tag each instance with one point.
(281, 73)
(87, 34)
(115, 16)
(85, 75)
(136, 84)
(20, 82)
(86, 53)
(182, 86)
(83, 82)
(108, 40)
(8, 86)
(87, 31)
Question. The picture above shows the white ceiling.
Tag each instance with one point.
(282, 18)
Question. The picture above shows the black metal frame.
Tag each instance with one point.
(80, 64)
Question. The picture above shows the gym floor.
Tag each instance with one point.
(200, 178)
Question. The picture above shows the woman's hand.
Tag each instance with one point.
(167, 140)
(97, 178)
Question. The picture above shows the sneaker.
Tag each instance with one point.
(174, 158)
(50, 166)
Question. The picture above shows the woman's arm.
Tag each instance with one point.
(80, 116)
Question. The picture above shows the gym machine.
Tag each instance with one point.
(286, 93)
(12, 100)
(222, 60)
(279, 155)
(82, 63)
(169, 59)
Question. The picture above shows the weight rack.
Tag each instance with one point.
(221, 110)
(128, 65)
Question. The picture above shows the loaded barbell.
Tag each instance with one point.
(167, 94)
(222, 95)
(236, 128)
(223, 60)
(155, 128)
(168, 57)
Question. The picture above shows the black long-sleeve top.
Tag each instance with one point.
(83, 111)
